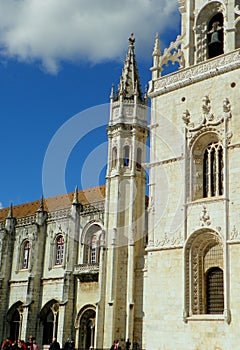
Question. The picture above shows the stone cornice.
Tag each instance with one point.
(199, 72)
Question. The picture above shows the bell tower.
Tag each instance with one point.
(125, 202)
(193, 232)
(210, 28)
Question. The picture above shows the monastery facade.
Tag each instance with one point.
(107, 263)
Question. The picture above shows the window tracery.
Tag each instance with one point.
(92, 244)
(213, 170)
(59, 250)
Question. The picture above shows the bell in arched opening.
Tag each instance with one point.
(215, 36)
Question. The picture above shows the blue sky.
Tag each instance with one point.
(59, 58)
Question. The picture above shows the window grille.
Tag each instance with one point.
(214, 291)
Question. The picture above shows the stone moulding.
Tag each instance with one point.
(190, 75)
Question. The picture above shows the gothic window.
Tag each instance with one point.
(91, 244)
(114, 157)
(26, 255)
(126, 156)
(207, 167)
(204, 274)
(59, 250)
(139, 158)
(213, 170)
(93, 249)
(215, 36)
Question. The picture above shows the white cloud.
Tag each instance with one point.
(1, 206)
(50, 31)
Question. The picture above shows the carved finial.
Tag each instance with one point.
(186, 117)
(206, 105)
(226, 105)
(204, 217)
(157, 50)
(121, 87)
(75, 197)
(112, 92)
(41, 205)
(131, 40)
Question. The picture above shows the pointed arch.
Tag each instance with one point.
(85, 326)
(59, 249)
(91, 236)
(204, 264)
(14, 320)
(203, 27)
(49, 321)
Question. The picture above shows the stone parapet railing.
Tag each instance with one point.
(193, 74)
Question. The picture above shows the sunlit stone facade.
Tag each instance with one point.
(112, 263)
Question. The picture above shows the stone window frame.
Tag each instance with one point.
(59, 253)
(203, 251)
(21, 254)
(198, 149)
(88, 250)
(53, 251)
(25, 248)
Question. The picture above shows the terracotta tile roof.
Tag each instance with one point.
(90, 195)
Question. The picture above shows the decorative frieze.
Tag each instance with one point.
(197, 73)
(169, 241)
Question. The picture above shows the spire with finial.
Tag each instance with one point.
(41, 205)
(156, 69)
(10, 220)
(129, 81)
(10, 212)
(41, 214)
(75, 196)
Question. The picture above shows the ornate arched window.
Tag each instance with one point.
(207, 167)
(204, 274)
(209, 35)
(25, 255)
(59, 250)
(91, 244)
